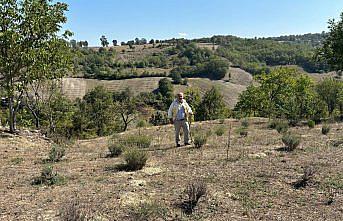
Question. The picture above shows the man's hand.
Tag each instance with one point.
(171, 121)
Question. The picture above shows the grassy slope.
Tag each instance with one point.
(77, 87)
(254, 184)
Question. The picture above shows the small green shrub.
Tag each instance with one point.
(116, 149)
(135, 159)
(200, 140)
(281, 126)
(291, 141)
(56, 153)
(242, 131)
(245, 123)
(311, 123)
(220, 131)
(141, 123)
(326, 129)
(48, 177)
(140, 141)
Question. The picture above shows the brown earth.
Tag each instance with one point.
(255, 182)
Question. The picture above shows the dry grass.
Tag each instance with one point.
(255, 183)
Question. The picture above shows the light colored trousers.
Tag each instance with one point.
(185, 126)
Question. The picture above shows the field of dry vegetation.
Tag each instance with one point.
(253, 179)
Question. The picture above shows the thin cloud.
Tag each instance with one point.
(183, 35)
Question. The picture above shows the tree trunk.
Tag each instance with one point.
(12, 120)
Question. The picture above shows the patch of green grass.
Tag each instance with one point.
(333, 182)
(17, 160)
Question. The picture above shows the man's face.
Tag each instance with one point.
(180, 97)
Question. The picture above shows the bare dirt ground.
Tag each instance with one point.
(255, 182)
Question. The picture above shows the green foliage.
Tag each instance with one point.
(135, 159)
(329, 90)
(283, 93)
(141, 123)
(159, 118)
(99, 110)
(245, 123)
(326, 129)
(220, 131)
(212, 106)
(177, 79)
(165, 88)
(56, 153)
(311, 123)
(192, 96)
(115, 148)
(281, 126)
(31, 49)
(331, 50)
(200, 140)
(48, 177)
(255, 55)
(291, 141)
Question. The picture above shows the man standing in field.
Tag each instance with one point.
(179, 113)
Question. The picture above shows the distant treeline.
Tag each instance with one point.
(187, 59)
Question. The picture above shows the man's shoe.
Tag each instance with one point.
(187, 144)
(178, 145)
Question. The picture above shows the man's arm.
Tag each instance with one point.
(170, 113)
(189, 108)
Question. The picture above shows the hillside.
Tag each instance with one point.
(255, 183)
(77, 87)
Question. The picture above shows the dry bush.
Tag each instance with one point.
(194, 191)
(308, 175)
(75, 210)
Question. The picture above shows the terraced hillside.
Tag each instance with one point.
(231, 88)
(252, 180)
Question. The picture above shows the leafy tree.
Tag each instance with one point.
(330, 91)
(126, 106)
(100, 110)
(250, 101)
(177, 79)
(104, 41)
(137, 41)
(115, 42)
(284, 93)
(152, 41)
(332, 47)
(192, 96)
(215, 69)
(30, 47)
(212, 106)
(165, 89)
(73, 43)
